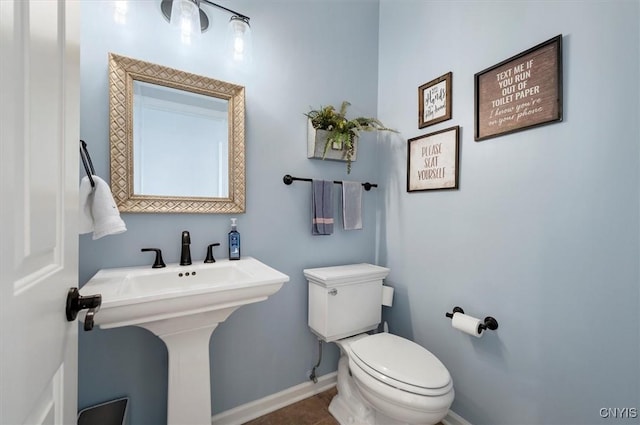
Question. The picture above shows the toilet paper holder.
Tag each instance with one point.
(489, 322)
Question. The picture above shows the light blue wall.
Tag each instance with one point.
(543, 232)
(306, 54)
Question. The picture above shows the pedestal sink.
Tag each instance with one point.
(182, 305)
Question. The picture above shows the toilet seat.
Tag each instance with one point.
(401, 363)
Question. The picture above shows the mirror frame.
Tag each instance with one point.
(122, 72)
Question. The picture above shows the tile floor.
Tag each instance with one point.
(310, 411)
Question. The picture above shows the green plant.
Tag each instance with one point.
(342, 131)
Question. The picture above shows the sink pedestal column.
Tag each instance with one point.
(189, 398)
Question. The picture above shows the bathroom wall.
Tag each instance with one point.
(306, 54)
(543, 232)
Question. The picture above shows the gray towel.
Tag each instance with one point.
(352, 205)
(322, 206)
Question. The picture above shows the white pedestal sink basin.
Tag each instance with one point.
(182, 305)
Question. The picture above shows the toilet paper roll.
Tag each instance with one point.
(467, 324)
(387, 295)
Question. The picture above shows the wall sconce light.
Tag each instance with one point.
(120, 12)
(188, 17)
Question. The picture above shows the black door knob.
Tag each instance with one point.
(76, 302)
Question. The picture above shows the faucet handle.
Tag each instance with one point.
(210, 258)
(158, 263)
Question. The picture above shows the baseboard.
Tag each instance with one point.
(249, 411)
(453, 418)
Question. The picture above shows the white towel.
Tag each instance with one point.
(98, 211)
(352, 205)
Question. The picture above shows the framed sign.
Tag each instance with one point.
(434, 101)
(521, 92)
(432, 160)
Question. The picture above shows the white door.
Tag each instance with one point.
(39, 130)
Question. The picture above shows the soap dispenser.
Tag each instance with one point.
(234, 241)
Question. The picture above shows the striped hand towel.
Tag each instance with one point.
(322, 207)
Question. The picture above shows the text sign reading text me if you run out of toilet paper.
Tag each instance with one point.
(522, 92)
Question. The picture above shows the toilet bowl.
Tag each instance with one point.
(384, 379)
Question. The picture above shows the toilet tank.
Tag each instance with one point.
(344, 300)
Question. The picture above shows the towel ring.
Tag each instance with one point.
(86, 162)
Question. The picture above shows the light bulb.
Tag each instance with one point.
(120, 11)
(185, 15)
(239, 40)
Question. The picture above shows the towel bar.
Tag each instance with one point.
(288, 179)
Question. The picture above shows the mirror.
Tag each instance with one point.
(177, 140)
(163, 115)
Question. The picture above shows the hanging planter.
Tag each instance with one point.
(331, 135)
(319, 146)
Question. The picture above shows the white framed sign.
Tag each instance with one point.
(434, 101)
(432, 160)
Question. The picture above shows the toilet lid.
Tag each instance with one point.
(401, 360)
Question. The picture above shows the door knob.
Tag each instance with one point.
(76, 302)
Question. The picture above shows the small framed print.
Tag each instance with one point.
(434, 101)
(432, 160)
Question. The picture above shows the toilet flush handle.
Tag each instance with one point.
(333, 291)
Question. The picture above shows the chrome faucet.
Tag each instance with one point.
(185, 254)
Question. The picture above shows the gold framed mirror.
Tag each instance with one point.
(176, 140)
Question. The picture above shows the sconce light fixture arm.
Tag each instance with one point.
(233, 12)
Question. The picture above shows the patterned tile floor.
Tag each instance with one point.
(310, 411)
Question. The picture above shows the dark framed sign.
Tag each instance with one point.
(521, 92)
(432, 160)
(434, 101)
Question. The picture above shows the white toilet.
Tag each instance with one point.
(383, 379)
